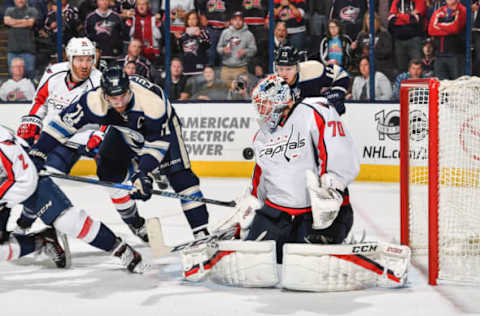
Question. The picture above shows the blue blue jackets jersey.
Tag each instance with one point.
(149, 112)
(316, 79)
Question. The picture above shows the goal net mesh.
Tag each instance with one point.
(458, 178)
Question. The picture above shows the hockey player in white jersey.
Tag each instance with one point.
(21, 184)
(297, 212)
(62, 83)
(312, 78)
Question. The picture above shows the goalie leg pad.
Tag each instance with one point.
(244, 263)
(326, 268)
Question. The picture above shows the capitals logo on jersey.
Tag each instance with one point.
(289, 145)
(216, 5)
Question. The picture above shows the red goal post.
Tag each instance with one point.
(440, 175)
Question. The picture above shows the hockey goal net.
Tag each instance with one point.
(440, 175)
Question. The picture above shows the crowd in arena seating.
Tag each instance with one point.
(220, 48)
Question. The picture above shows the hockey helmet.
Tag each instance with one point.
(114, 81)
(270, 98)
(80, 46)
(287, 56)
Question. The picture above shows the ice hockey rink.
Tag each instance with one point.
(97, 285)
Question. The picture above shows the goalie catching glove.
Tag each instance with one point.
(30, 128)
(325, 199)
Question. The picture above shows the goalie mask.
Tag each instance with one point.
(270, 98)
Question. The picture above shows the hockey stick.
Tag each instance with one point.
(130, 187)
(160, 249)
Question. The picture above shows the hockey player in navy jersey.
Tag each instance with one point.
(312, 78)
(144, 135)
(42, 198)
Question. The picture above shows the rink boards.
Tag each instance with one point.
(216, 135)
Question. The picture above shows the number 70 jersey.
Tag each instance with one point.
(313, 137)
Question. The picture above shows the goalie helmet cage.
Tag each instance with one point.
(440, 175)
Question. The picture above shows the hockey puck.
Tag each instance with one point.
(248, 153)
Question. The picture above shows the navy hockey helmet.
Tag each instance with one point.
(287, 56)
(114, 81)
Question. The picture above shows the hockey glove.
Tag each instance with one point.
(325, 200)
(30, 128)
(91, 148)
(337, 99)
(143, 186)
(38, 158)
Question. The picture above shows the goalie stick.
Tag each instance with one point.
(160, 249)
(130, 187)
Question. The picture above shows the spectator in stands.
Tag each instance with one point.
(130, 68)
(335, 46)
(447, 27)
(193, 44)
(361, 84)
(415, 71)
(20, 20)
(428, 60)
(71, 24)
(216, 17)
(86, 7)
(293, 13)
(178, 13)
(406, 24)
(382, 45)
(255, 17)
(241, 88)
(205, 87)
(134, 53)
(18, 88)
(146, 27)
(105, 27)
(350, 13)
(236, 46)
(317, 12)
(280, 35)
(178, 79)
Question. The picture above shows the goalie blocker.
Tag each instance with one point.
(306, 267)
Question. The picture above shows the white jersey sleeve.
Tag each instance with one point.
(18, 175)
(337, 154)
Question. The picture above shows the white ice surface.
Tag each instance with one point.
(96, 285)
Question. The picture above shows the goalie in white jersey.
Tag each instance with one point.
(296, 138)
(298, 212)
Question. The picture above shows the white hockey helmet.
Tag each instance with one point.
(80, 46)
(270, 98)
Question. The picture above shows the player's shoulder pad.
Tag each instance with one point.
(149, 97)
(54, 70)
(319, 105)
(310, 69)
(95, 102)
